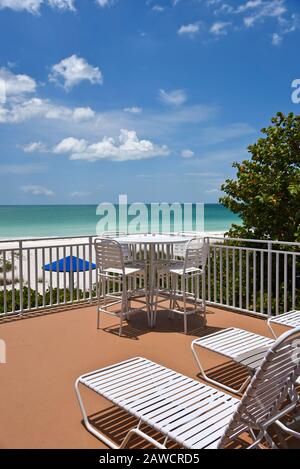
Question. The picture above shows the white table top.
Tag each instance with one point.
(152, 239)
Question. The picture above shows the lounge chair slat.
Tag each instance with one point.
(191, 430)
(188, 405)
(181, 423)
(134, 370)
(184, 396)
(123, 377)
(178, 410)
(131, 389)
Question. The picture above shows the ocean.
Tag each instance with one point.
(78, 220)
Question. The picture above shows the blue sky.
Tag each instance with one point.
(154, 99)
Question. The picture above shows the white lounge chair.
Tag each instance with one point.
(290, 319)
(195, 415)
(240, 346)
(111, 268)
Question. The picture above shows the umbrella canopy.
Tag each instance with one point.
(69, 264)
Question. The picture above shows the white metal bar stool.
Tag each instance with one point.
(189, 270)
(111, 270)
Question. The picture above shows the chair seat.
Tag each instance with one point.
(181, 271)
(176, 267)
(128, 270)
(242, 346)
(191, 413)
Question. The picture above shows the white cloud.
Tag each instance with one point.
(73, 70)
(81, 114)
(212, 191)
(16, 84)
(128, 147)
(276, 39)
(189, 29)
(79, 194)
(34, 147)
(37, 190)
(62, 4)
(104, 3)
(220, 28)
(27, 109)
(186, 153)
(250, 4)
(175, 97)
(133, 110)
(158, 8)
(253, 12)
(271, 9)
(18, 107)
(263, 10)
(70, 145)
(33, 6)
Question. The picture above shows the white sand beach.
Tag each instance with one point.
(36, 252)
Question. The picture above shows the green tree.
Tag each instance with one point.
(266, 192)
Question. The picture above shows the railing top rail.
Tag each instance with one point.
(89, 236)
(42, 238)
(254, 249)
(260, 241)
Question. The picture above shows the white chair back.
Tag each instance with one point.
(125, 247)
(265, 399)
(109, 254)
(196, 253)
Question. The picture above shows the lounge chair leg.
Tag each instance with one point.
(213, 381)
(288, 430)
(137, 431)
(270, 441)
(89, 427)
(106, 440)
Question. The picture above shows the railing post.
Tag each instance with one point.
(21, 274)
(90, 268)
(269, 279)
(205, 276)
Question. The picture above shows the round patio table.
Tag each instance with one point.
(152, 243)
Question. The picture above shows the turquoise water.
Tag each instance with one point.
(73, 220)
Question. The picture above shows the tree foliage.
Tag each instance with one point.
(266, 191)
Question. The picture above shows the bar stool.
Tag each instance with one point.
(112, 269)
(189, 270)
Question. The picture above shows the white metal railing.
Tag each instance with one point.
(26, 286)
(255, 276)
(252, 276)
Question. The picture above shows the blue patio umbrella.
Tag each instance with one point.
(70, 265)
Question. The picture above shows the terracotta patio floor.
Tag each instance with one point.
(47, 352)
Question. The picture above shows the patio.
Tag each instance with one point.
(48, 350)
